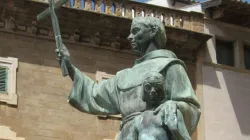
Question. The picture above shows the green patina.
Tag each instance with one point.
(177, 114)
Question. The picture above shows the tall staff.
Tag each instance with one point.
(60, 47)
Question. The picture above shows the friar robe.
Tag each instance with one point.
(122, 94)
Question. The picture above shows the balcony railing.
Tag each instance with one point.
(170, 17)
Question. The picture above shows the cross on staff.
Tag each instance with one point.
(60, 47)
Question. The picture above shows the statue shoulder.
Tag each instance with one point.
(161, 63)
(122, 72)
(174, 61)
(132, 77)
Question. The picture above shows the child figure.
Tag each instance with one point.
(147, 126)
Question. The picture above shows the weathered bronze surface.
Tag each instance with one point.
(146, 114)
(155, 96)
(57, 33)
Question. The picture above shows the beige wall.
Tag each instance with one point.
(43, 112)
(226, 102)
(226, 91)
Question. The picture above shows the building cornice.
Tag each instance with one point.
(240, 28)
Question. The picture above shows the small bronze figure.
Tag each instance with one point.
(147, 126)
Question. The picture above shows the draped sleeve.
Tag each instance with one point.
(94, 98)
(179, 90)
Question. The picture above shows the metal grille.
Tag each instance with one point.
(3, 79)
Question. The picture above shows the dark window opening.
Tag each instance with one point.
(247, 56)
(225, 52)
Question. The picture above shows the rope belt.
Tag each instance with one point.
(129, 118)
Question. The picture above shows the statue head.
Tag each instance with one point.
(145, 32)
(153, 87)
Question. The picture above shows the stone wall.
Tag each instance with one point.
(43, 112)
(225, 88)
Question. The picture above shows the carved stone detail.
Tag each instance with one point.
(88, 5)
(167, 19)
(197, 24)
(177, 22)
(77, 35)
(148, 12)
(128, 12)
(77, 4)
(157, 14)
(186, 22)
(43, 31)
(108, 6)
(118, 9)
(97, 39)
(10, 23)
(117, 43)
(138, 12)
(2, 23)
(98, 6)
(34, 28)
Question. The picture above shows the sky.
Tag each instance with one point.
(142, 0)
(72, 1)
(197, 0)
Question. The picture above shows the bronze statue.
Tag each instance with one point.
(174, 117)
(178, 113)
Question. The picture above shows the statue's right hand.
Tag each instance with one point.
(63, 56)
(59, 54)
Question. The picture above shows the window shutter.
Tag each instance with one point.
(3, 79)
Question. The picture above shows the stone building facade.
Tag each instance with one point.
(33, 97)
(225, 70)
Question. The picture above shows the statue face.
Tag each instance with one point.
(153, 91)
(140, 38)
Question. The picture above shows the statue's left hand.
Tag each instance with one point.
(168, 113)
